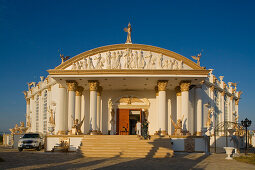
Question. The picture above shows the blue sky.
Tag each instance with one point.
(31, 32)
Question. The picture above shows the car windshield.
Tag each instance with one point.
(31, 136)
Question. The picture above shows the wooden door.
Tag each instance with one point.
(122, 122)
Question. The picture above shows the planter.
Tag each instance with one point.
(228, 152)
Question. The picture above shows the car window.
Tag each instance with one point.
(31, 136)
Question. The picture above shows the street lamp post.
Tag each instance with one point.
(246, 123)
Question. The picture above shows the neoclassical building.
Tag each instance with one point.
(112, 87)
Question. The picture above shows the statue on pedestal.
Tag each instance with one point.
(76, 129)
(177, 127)
(128, 30)
(22, 128)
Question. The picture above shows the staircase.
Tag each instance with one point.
(125, 146)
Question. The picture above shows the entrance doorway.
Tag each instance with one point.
(126, 121)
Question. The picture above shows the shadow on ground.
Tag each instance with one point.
(41, 160)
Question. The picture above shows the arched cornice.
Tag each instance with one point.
(165, 52)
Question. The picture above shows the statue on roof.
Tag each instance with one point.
(128, 30)
(197, 58)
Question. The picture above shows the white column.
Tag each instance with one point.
(157, 112)
(28, 112)
(231, 109)
(236, 107)
(78, 94)
(185, 104)
(60, 116)
(222, 110)
(162, 106)
(93, 86)
(72, 86)
(99, 91)
(212, 106)
(199, 114)
(83, 111)
(178, 103)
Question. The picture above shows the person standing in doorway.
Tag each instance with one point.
(138, 128)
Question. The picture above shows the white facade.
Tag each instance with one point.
(97, 84)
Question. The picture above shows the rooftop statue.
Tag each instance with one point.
(128, 30)
(197, 58)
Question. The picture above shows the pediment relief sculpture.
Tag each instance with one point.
(128, 59)
(130, 100)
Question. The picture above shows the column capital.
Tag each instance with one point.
(212, 88)
(93, 85)
(178, 91)
(71, 85)
(49, 88)
(231, 97)
(162, 85)
(99, 90)
(156, 90)
(184, 85)
(236, 101)
(79, 91)
(28, 100)
(223, 93)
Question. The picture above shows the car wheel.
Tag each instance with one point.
(20, 149)
(39, 147)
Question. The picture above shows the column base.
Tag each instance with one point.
(198, 133)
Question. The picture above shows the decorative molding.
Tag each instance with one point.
(129, 72)
(79, 91)
(71, 85)
(162, 85)
(184, 85)
(93, 85)
(61, 86)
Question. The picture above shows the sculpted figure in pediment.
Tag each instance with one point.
(141, 61)
(79, 65)
(74, 67)
(126, 56)
(165, 64)
(149, 61)
(118, 64)
(85, 64)
(175, 66)
(108, 60)
(170, 64)
(160, 61)
(134, 62)
(99, 62)
(180, 65)
(90, 64)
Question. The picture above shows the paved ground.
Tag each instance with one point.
(41, 160)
